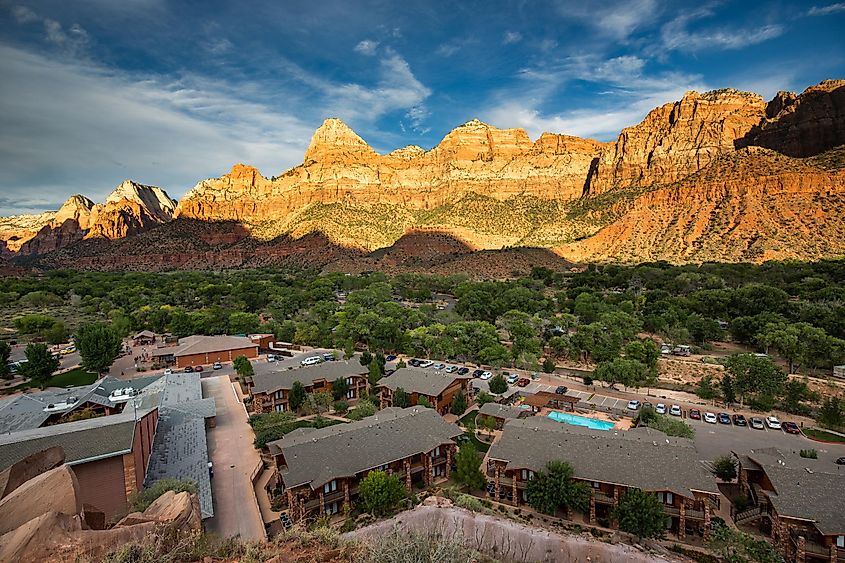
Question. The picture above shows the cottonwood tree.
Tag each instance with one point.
(296, 397)
(339, 388)
(380, 492)
(640, 513)
(724, 467)
(243, 367)
(459, 404)
(40, 364)
(98, 346)
(555, 489)
(497, 384)
(468, 467)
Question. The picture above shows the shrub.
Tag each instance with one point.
(810, 454)
(341, 406)
(469, 502)
(141, 500)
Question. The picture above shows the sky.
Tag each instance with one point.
(168, 92)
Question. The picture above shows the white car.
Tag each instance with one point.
(439, 366)
(710, 418)
(486, 375)
(633, 405)
(660, 408)
(168, 371)
(310, 361)
(271, 357)
(675, 410)
(426, 364)
(451, 369)
(513, 378)
(773, 422)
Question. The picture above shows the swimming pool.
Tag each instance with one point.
(581, 420)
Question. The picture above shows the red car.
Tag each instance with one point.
(695, 414)
(790, 428)
(198, 368)
(523, 382)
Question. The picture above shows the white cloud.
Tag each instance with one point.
(675, 34)
(24, 15)
(617, 19)
(74, 41)
(825, 10)
(451, 47)
(511, 37)
(367, 47)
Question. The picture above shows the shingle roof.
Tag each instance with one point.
(104, 436)
(320, 455)
(206, 344)
(269, 377)
(501, 411)
(642, 458)
(804, 491)
(430, 382)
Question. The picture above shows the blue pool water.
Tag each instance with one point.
(580, 420)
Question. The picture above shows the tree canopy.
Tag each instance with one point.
(641, 513)
(555, 489)
(98, 345)
(380, 492)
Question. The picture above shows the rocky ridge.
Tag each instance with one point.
(689, 183)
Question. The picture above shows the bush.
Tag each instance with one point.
(469, 502)
(141, 500)
(809, 454)
(588, 380)
(341, 406)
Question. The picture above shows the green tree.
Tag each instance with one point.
(56, 334)
(705, 388)
(548, 365)
(374, 376)
(401, 399)
(497, 384)
(40, 364)
(631, 373)
(831, 413)
(459, 404)
(483, 397)
(363, 409)
(468, 467)
(555, 489)
(296, 397)
(339, 388)
(755, 378)
(365, 358)
(401, 364)
(738, 547)
(98, 346)
(243, 323)
(380, 492)
(644, 351)
(318, 403)
(243, 367)
(728, 392)
(724, 467)
(5, 352)
(795, 392)
(640, 513)
(423, 402)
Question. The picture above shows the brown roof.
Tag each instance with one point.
(543, 398)
(206, 344)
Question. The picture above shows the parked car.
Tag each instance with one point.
(485, 375)
(168, 371)
(675, 410)
(188, 369)
(773, 422)
(660, 408)
(451, 369)
(695, 414)
(523, 382)
(756, 423)
(840, 461)
(329, 357)
(561, 389)
(791, 428)
(709, 418)
(647, 405)
(271, 357)
(463, 371)
(633, 405)
(477, 373)
(198, 368)
(310, 361)
(216, 365)
(389, 357)
(439, 366)
(739, 420)
(513, 378)
(724, 418)
(426, 363)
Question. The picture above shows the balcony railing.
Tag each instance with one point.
(603, 498)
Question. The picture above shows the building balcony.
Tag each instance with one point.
(603, 498)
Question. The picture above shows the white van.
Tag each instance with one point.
(310, 361)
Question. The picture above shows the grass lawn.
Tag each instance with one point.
(72, 378)
(822, 435)
(479, 445)
(468, 418)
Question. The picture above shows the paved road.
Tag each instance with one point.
(230, 448)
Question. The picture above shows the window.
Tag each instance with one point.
(349, 381)
(332, 508)
(436, 452)
(524, 496)
(382, 467)
(527, 475)
(280, 394)
(840, 541)
(595, 484)
(437, 471)
(666, 498)
(330, 487)
(350, 394)
(280, 408)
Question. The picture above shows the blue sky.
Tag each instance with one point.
(168, 93)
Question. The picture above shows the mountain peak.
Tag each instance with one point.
(153, 198)
(333, 137)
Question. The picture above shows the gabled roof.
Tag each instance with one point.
(429, 382)
(316, 456)
(144, 334)
(205, 345)
(805, 489)
(270, 377)
(642, 458)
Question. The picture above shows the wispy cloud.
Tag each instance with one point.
(511, 37)
(451, 47)
(367, 47)
(676, 34)
(826, 10)
(24, 15)
(616, 19)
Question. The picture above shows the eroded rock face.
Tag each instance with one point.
(677, 139)
(55, 490)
